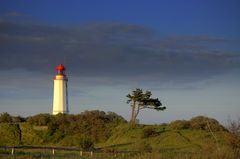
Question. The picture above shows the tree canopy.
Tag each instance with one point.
(141, 100)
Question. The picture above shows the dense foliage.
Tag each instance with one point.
(10, 134)
(82, 130)
(205, 123)
(180, 124)
(198, 122)
(6, 118)
(39, 119)
(96, 125)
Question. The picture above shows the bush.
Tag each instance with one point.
(39, 120)
(233, 137)
(69, 141)
(234, 126)
(5, 118)
(81, 141)
(205, 123)
(19, 119)
(86, 143)
(180, 124)
(233, 140)
(29, 136)
(149, 132)
(10, 134)
(57, 136)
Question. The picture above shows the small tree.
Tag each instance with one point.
(141, 100)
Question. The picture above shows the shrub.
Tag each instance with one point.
(205, 123)
(69, 141)
(180, 124)
(29, 136)
(39, 120)
(233, 137)
(19, 119)
(234, 126)
(10, 134)
(82, 141)
(86, 143)
(57, 136)
(233, 140)
(149, 132)
(5, 118)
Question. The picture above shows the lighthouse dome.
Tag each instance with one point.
(60, 67)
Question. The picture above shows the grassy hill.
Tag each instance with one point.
(200, 137)
(161, 141)
(163, 138)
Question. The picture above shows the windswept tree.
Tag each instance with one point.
(140, 100)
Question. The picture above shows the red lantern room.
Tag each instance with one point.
(60, 69)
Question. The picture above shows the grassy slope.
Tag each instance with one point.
(126, 138)
(166, 143)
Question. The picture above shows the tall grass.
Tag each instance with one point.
(205, 153)
(226, 154)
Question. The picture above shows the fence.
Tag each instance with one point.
(54, 150)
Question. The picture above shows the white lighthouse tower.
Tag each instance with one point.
(60, 94)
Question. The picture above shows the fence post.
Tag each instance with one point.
(13, 150)
(81, 153)
(53, 151)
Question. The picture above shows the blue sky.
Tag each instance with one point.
(186, 52)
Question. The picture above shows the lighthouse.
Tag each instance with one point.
(60, 94)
